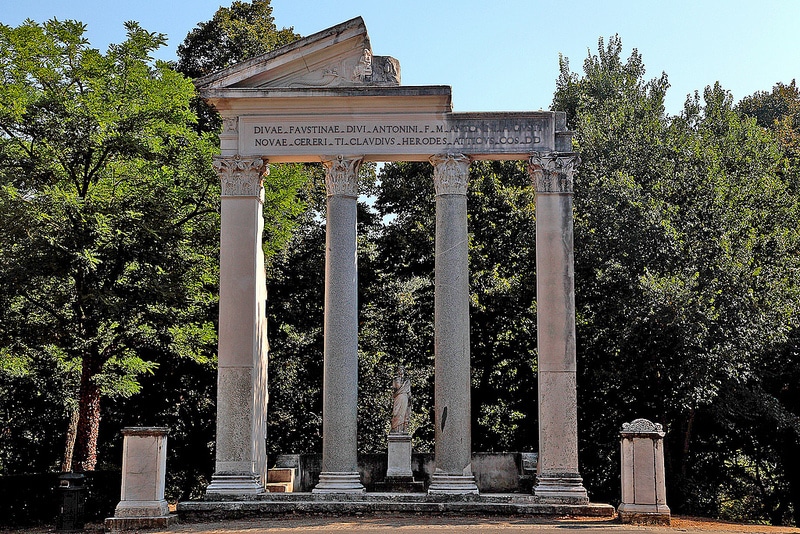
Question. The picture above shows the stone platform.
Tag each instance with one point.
(384, 503)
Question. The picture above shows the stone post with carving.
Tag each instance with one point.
(453, 455)
(644, 493)
(558, 479)
(241, 460)
(340, 381)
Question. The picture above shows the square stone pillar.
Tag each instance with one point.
(144, 466)
(558, 479)
(340, 376)
(399, 457)
(644, 499)
(452, 394)
(241, 460)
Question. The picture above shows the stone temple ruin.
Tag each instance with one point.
(326, 98)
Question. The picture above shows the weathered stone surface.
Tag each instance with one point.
(379, 135)
(242, 355)
(499, 471)
(559, 480)
(144, 466)
(291, 461)
(340, 380)
(637, 515)
(453, 472)
(121, 524)
(144, 460)
(643, 481)
(401, 405)
(281, 479)
(335, 57)
(642, 427)
(399, 456)
(377, 503)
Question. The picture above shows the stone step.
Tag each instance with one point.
(308, 504)
(277, 487)
(372, 497)
(281, 474)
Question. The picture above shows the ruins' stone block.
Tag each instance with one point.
(644, 498)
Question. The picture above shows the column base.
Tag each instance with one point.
(137, 524)
(242, 484)
(142, 509)
(644, 514)
(560, 488)
(443, 484)
(339, 483)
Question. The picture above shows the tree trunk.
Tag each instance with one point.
(69, 447)
(88, 417)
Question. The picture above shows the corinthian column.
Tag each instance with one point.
(558, 478)
(453, 473)
(241, 459)
(340, 381)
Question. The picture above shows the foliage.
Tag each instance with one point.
(396, 243)
(686, 272)
(236, 33)
(295, 320)
(108, 208)
(779, 111)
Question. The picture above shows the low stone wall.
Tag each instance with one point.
(34, 499)
(495, 472)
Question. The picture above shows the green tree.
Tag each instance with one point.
(686, 267)
(779, 111)
(236, 33)
(396, 324)
(108, 202)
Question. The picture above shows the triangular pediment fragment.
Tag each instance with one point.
(340, 56)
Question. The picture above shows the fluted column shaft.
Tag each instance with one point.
(558, 479)
(340, 381)
(453, 473)
(241, 460)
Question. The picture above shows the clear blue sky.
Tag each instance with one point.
(502, 55)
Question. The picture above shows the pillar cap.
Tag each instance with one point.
(145, 431)
(642, 428)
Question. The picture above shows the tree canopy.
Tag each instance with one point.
(109, 215)
(236, 33)
(686, 243)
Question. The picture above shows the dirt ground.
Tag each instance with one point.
(445, 525)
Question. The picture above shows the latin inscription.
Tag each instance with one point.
(356, 135)
(375, 135)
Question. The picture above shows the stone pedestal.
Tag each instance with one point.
(241, 460)
(453, 473)
(399, 457)
(644, 498)
(558, 479)
(399, 476)
(144, 462)
(340, 381)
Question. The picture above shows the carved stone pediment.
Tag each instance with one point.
(340, 56)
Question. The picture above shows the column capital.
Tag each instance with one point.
(241, 177)
(341, 175)
(450, 173)
(553, 172)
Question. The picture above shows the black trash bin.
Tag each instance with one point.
(72, 497)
